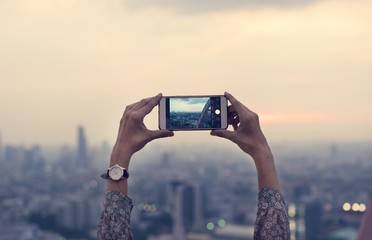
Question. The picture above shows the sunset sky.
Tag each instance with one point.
(304, 66)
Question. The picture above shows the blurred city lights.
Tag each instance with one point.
(355, 207)
(221, 223)
(346, 206)
(362, 207)
(210, 226)
(147, 207)
(292, 210)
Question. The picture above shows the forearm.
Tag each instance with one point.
(122, 158)
(115, 218)
(272, 219)
(265, 165)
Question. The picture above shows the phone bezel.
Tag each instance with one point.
(163, 118)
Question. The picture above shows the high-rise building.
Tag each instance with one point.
(187, 206)
(82, 150)
(313, 220)
(192, 206)
(178, 226)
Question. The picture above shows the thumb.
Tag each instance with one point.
(160, 134)
(222, 133)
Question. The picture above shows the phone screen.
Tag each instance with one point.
(193, 112)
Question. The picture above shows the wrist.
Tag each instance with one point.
(263, 159)
(261, 152)
(265, 166)
(120, 156)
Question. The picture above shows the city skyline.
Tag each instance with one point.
(305, 68)
(326, 188)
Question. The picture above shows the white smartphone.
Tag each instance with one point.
(193, 112)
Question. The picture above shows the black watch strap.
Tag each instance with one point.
(107, 176)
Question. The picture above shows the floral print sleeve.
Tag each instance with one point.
(115, 218)
(272, 219)
(271, 222)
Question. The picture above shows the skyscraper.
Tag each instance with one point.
(313, 219)
(192, 206)
(187, 206)
(82, 152)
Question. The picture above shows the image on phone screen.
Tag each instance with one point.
(193, 113)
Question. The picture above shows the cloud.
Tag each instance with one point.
(191, 101)
(187, 104)
(200, 6)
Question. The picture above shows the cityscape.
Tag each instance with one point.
(71, 70)
(180, 119)
(196, 192)
(208, 117)
(184, 119)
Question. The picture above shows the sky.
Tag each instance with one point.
(304, 66)
(187, 104)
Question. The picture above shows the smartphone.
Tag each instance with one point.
(193, 112)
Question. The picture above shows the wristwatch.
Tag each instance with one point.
(116, 173)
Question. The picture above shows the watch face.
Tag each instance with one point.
(116, 173)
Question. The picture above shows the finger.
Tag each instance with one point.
(154, 134)
(230, 109)
(232, 114)
(129, 107)
(140, 104)
(235, 123)
(230, 120)
(147, 108)
(238, 106)
(223, 133)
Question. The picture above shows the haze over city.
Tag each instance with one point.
(306, 68)
(69, 68)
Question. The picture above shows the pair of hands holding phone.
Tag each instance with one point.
(247, 134)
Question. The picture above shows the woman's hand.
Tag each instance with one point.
(247, 132)
(133, 134)
(249, 137)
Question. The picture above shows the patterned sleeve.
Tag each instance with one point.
(272, 219)
(115, 219)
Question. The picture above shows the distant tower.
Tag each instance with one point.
(165, 161)
(333, 153)
(178, 227)
(82, 152)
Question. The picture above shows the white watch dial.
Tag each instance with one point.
(116, 173)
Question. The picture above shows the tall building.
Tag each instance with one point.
(333, 153)
(187, 198)
(82, 151)
(178, 226)
(313, 220)
(192, 206)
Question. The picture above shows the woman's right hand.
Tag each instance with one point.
(247, 132)
(249, 137)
